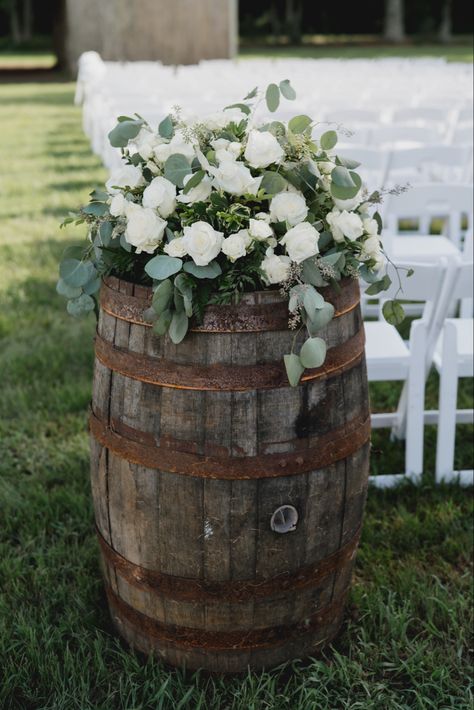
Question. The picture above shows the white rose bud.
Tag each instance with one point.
(288, 207)
(344, 224)
(175, 247)
(301, 242)
(263, 149)
(264, 216)
(202, 242)
(200, 193)
(118, 205)
(235, 178)
(234, 246)
(370, 227)
(260, 230)
(276, 269)
(144, 228)
(347, 204)
(160, 195)
(125, 176)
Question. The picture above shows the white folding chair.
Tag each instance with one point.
(463, 135)
(390, 358)
(454, 358)
(430, 163)
(395, 137)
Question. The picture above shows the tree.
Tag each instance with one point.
(20, 13)
(293, 20)
(394, 28)
(445, 28)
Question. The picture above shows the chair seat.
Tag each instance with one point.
(387, 355)
(464, 345)
(426, 249)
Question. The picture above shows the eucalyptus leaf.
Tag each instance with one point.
(68, 291)
(166, 128)
(347, 193)
(243, 107)
(287, 90)
(96, 209)
(379, 286)
(163, 323)
(272, 183)
(294, 368)
(341, 177)
(150, 315)
(313, 352)
(320, 318)
(393, 312)
(272, 97)
(176, 169)
(92, 286)
(252, 94)
(328, 140)
(124, 244)
(78, 306)
(178, 327)
(378, 218)
(311, 274)
(367, 275)
(347, 162)
(182, 283)
(105, 233)
(162, 296)
(312, 300)
(74, 272)
(194, 181)
(331, 259)
(299, 124)
(161, 267)
(203, 272)
(123, 132)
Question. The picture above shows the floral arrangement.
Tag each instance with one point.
(205, 210)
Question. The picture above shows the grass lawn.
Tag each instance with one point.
(406, 642)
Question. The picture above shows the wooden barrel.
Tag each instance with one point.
(228, 504)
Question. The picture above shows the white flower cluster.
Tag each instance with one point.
(147, 200)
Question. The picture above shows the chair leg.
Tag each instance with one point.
(448, 390)
(415, 397)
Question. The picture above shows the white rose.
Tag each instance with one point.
(144, 143)
(264, 216)
(235, 178)
(288, 207)
(276, 269)
(144, 228)
(202, 242)
(200, 193)
(125, 176)
(370, 226)
(175, 247)
(234, 246)
(371, 249)
(176, 145)
(301, 242)
(344, 224)
(260, 230)
(118, 205)
(160, 195)
(347, 204)
(263, 149)
(226, 150)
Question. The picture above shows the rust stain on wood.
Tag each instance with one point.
(333, 446)
(187, 637)
(223, 378)
(240, 590)
(246, 318)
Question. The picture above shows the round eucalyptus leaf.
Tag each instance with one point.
(320, 318)
(272, 183)
(347, 193)
(203, 272)
(313, 352)
(161, 267)
(294, 368)
(67, 291)
(123, 132)
(328, 140)
(272, 97)
(74, 272)
(299, 124)
(78, 306)
(176, 169)
(287, 90)
(160, 327)
(178, 327)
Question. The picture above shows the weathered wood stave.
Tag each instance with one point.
(208, 522)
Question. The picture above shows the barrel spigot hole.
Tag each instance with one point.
(284, 519)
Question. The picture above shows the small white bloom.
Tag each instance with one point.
(200, 193)
(276, 269)
(260, 230)
(301, 242)
(235, 178)
(176, 145)
(221, 119)
(226, 150)
(347, 204)
(325, 166)
(160, 195)
(288, 207)
(145, 228)
(202, 242)
(264, 216)
(175, 247)
(325, 183)
(344, 224)
(371, 249)
(234, 247)
(144, 143)
(118, 205)
(370, 227)
(263, 149)
(125, 176)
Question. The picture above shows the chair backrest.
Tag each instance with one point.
(430, 163)
(463, 135)
(399, 134)
(426, 202)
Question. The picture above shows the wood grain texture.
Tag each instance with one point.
(216, 530)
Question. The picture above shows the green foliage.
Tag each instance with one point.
(176, 169)
(161, 267)
(211, 271)
(299, 124)
(272, 97)
(393, 312)
(313, 352)
(124, 131)
(328, 140)
(287, 90)
(166, 128)
(272, 183)
(294, 368)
